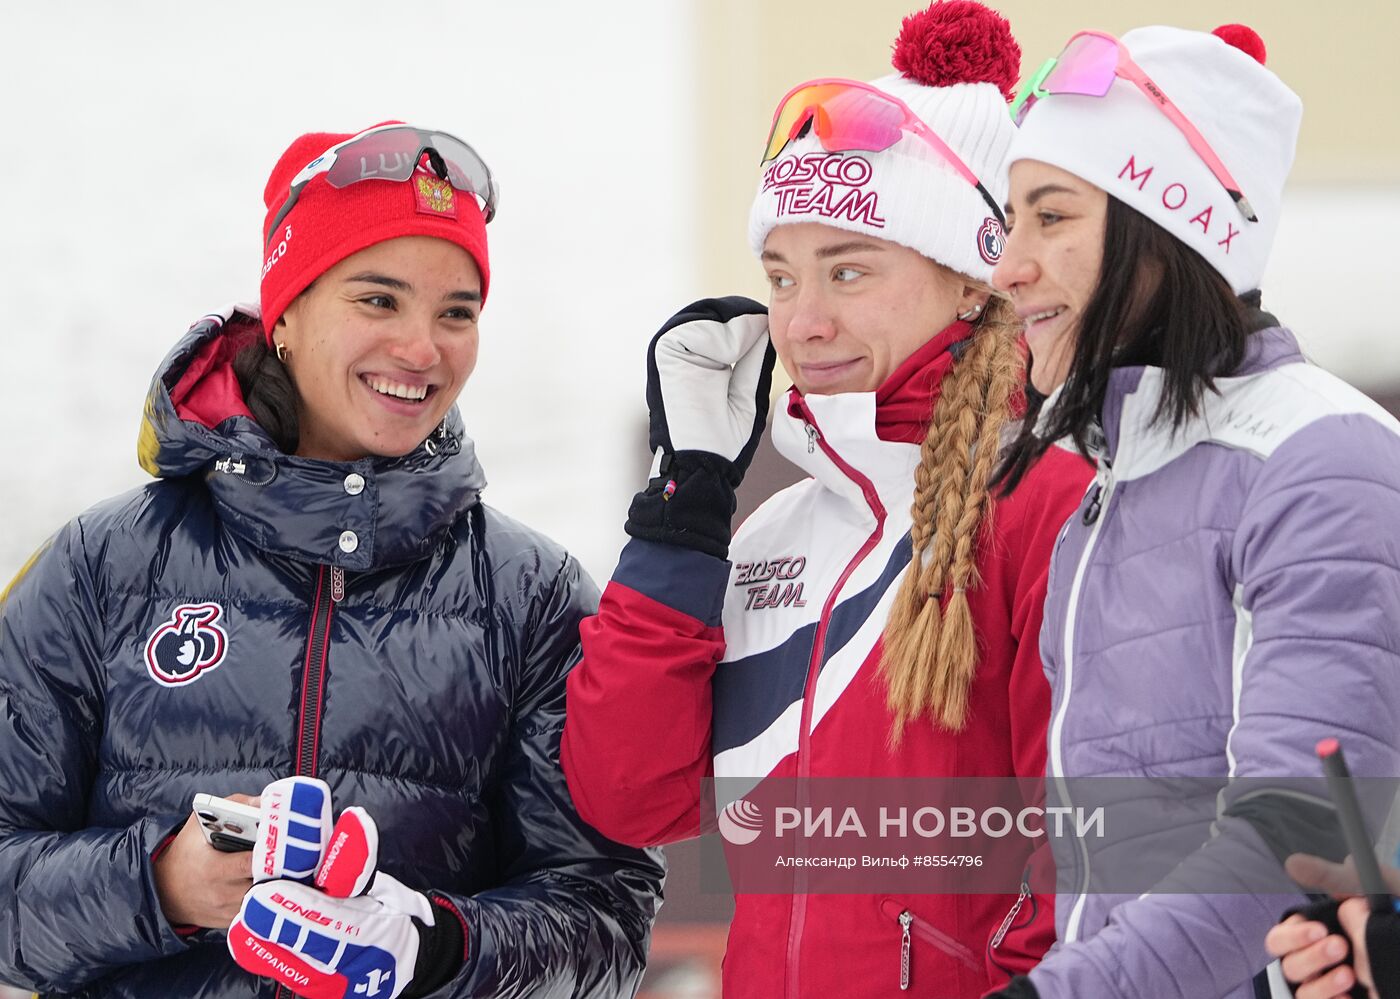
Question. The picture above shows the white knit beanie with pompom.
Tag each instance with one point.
(958, 65)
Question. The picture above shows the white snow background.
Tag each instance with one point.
(136, 140)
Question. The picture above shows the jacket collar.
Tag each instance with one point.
(1267, 349)
(856, 438)
(357, 515)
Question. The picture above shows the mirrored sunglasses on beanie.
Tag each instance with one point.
(1088, 66)
(849, 115)
(394, 152)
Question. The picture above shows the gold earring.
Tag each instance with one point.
(281, 352)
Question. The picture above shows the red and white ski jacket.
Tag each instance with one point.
(765, 666)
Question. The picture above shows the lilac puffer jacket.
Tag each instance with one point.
(1224, 598)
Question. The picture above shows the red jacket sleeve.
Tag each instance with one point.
(636, 748)
(1034, 516)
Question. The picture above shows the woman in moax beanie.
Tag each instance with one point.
(1228, 593)
(311, 605)
(877, 622)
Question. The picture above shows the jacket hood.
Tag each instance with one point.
(357, 515)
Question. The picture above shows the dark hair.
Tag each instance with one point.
(268, 392)
(1157, 302)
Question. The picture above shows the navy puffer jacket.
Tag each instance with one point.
(253, 615)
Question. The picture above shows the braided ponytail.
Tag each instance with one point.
(930, 645)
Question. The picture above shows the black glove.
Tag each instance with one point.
(1383, 951)
(1325, 912)
(1019, 987)
(709, 372)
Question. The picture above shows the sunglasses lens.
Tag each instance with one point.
(465, 170)
(790, 113)
(1087, 66)
(394, 153)
(859, 119)
(845, 117)
(388, 155)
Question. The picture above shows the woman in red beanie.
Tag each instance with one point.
(312, 602)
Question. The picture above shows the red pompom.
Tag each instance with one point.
(1244, 38)
(958, 41)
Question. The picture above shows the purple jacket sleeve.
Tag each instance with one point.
(1315, 565)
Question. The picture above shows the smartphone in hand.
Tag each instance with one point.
(228, 826)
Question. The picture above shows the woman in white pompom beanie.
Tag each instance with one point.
(874, 641)
(1224, 599)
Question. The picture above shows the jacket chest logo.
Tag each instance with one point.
(186, 646)
(771, 582)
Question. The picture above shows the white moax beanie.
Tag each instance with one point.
(1123, 144)
(958, 64)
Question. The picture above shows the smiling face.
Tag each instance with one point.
(845, 310)
(1050, 265)
(380, 346)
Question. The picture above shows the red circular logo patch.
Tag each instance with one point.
(991, 240)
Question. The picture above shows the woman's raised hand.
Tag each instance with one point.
(709, 372)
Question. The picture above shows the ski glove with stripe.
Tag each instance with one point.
(354, 932)
(293, 830)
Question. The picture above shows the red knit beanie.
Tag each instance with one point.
(328, 224)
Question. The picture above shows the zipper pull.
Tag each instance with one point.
(811, 439)
(337, 584)
(1005, 926)
(1102, 477)
(906, 919)
(1095, 507)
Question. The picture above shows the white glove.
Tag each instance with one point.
(709, 371)
(293, 830)
(357, 932)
